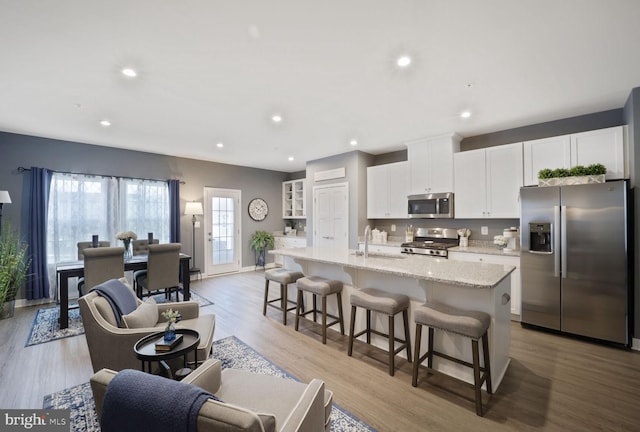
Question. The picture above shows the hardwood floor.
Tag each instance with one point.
(554, 383)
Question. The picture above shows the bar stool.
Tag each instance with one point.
(372, 299)
(319, 286)
(284, 277)
(471, 324)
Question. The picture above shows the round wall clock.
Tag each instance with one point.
(258, 209)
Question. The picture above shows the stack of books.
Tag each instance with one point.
(163, 345)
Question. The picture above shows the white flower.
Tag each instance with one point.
(501, 241)
(172, 315)
(127, 235)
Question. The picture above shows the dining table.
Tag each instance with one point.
(66, 270)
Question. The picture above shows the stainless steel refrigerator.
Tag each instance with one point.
(574, 260)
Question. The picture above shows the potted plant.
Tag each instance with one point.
(260, 242)
(579, 174)
(14, 265)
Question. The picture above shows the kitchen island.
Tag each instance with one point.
(467, 285)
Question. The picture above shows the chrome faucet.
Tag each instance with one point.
(367, 233)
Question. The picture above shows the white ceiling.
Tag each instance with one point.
(213, 71)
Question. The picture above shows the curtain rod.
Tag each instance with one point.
(23, 169)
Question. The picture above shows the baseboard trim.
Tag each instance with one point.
(635, 344)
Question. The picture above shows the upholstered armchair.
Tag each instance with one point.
(111, 346)
(247, 401)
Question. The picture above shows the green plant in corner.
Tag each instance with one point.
(14, 265)
(260, 242)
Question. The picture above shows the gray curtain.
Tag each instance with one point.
(37, 285)
(174, 210)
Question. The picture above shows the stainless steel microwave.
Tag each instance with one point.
(431, 206)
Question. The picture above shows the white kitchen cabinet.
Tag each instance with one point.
(605, 146)
(387, 191)
(287, 243)
(554, 152)
(487, 182)
(293, 199)
(516, 290)
(431, 164)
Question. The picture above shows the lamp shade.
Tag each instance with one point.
(4, 197)
(193, 208)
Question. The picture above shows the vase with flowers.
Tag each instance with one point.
(501, 241)
(127, 237)
(172, 317)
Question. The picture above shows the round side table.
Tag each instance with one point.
(145, 350)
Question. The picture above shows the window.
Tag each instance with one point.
(81, 206)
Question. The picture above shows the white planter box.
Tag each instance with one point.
(565, 181)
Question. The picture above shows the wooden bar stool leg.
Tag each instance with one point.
(416, 353)
(340, 313)
(352, 327)
(430, 345)
(298, 303)
(392, 345)
(324, 319)
(266, 296)
(487, 363)
(476, 376)
(315, 307)
(283, 302)
(407, 337)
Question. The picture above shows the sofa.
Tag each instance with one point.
(247, 401)
(111, 346)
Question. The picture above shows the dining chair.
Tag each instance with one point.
(162, 273)
(141, 247)
(81, 247)
(102, 264)
(87, 244)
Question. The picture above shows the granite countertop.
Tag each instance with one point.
(487, 250)
(463, 273)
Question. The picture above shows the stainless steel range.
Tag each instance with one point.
(432, 242)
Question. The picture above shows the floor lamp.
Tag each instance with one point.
(194, 209)
(4, 199)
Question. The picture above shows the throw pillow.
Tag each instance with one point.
(146, 315)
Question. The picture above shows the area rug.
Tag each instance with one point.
(45, 327)
(232, 352)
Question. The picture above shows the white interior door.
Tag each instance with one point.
(222, 233)
(331, 216)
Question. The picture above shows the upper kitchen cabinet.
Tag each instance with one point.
(544, 153)
(431, 164)
(293, 199)
(605, 146)
(487, 182)
(387, 191)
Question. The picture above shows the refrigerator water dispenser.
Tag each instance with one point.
(540, 237)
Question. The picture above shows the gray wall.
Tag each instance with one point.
(64, 156)
(599, 120)
(632, 119)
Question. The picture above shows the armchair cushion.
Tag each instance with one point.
(146, 315)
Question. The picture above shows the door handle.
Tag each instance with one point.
(563, 241)
(555, 234)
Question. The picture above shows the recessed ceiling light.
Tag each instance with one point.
(105, 123)
(290, 158)
(403, 61)
(131, 73)
(353, 142)
(220, 145)
(276, 118)
(465, 114)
